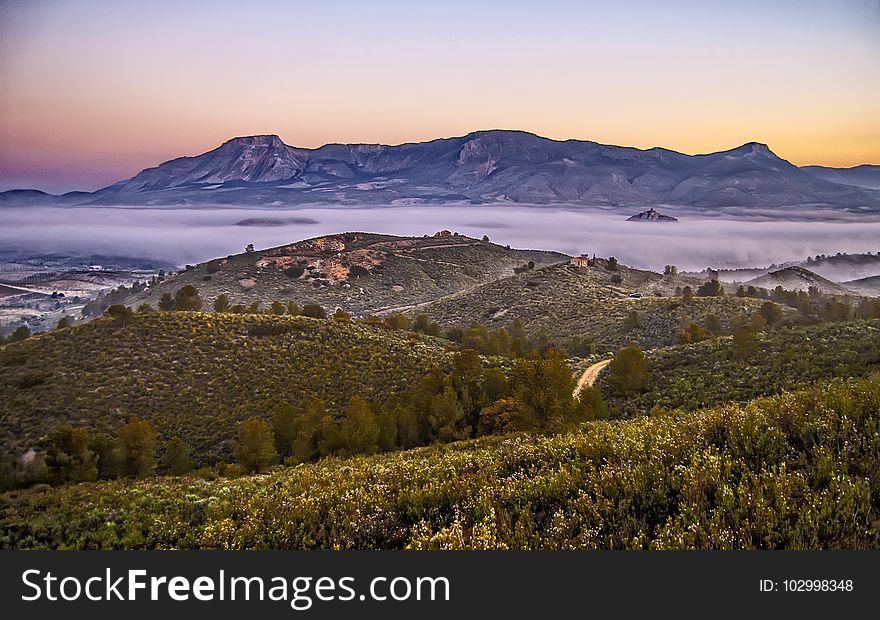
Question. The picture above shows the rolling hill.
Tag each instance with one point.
(359, 272)
(197, 375)
(483, 167)
(707, 373)
(797, 279)
(865, 175)
(869, 287)
(572, 304)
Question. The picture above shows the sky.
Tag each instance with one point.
(93, 91)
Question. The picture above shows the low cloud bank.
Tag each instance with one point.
(192, 235)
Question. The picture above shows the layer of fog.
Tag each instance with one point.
(191, 235)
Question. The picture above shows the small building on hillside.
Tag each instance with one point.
(580, 261)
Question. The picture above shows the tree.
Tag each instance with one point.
(446, 417)
(221, 304)
(358, 431)
(136, 448)
(68, 456)
(64, 322)
(691, 332)
(424, 325)
(612, 264)
(309, 427)
(177, 459)
(398, 321)
(712, 288)
(670, 270)
(713, 324)
(166, 302)
(19, 334)
(120, 314)
(628, 371)
(485, 238)
(745, 343)
(314, 311)
(687, 294)
(249, 248)
(771, 312)
(544, 387)
(632, 321)
(187, 299)
(256, 445)
(500, 416)
(104, 448)
(285, 429)
(592, 403)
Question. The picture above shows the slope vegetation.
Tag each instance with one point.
(789, 472)
(571, 304)
(197, 375)
(709, 372)
(359, 272)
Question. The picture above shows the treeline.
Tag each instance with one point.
(464, 401)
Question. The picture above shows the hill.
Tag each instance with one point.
(709, 373)
(569, 304)
(796, 471)
(483, 167)
(869, 287)
(360, 272)
(865, 175)
(197, 375)
(797, 279)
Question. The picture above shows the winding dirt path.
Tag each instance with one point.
(590, 375)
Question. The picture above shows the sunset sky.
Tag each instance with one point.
(93, 91)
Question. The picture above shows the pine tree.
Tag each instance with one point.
(286, 428)
(255, 450)
(446, 417)
(177, 459)
(745, 344)
(136, 448)
(68, 456)
(628, 371)
(221, 304)
(358, 428)
(187, 299)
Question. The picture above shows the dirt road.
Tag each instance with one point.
(590, 375)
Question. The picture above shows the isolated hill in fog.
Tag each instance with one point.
(797, 279)
(484, 167)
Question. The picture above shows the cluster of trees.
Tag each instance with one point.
(468, 400)
(463, 401)
(97, 306)
(769, 314)
(76, 454)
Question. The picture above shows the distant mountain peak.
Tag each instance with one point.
(269, 140)
(483, 167)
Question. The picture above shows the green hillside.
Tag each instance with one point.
(196, 375)
(360, 272)
(792, 471)
(709, 372)
(572, 304)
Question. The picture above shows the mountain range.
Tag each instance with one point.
(484, 167)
